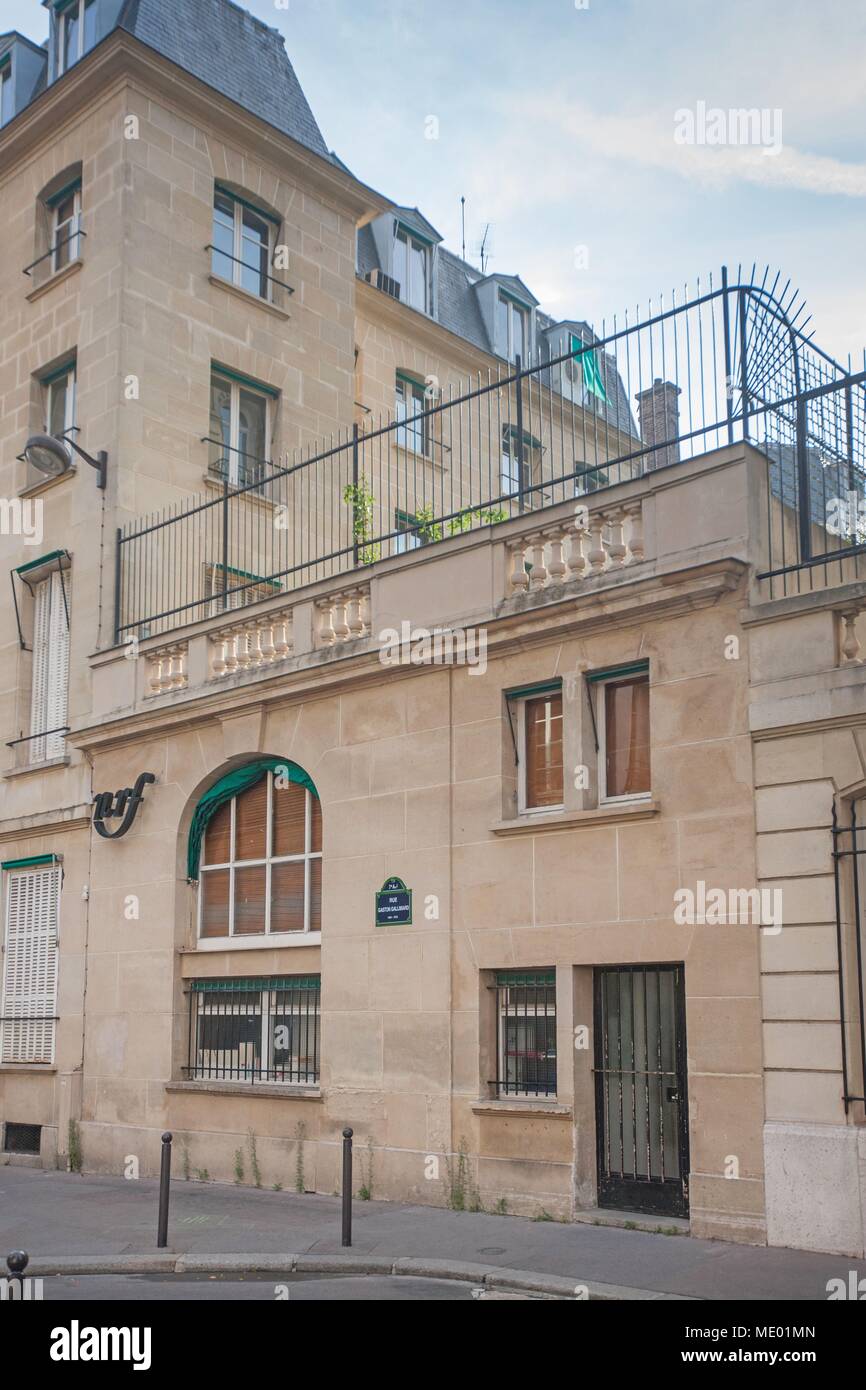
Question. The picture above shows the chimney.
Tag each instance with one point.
(659, 422)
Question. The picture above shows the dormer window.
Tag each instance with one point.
(512, 331)
(76, 32)
(7, 107)
(412, 270)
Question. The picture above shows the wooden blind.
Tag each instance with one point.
(543, 718)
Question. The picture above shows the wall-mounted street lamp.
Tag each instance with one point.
(52, 454)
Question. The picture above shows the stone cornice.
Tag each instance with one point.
(573, 611)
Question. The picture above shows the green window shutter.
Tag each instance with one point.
(232, 785)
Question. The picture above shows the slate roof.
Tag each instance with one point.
(458, 310)
(233, 52)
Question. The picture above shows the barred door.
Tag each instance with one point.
(640, 1089)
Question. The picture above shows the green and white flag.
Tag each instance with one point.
(586, 360)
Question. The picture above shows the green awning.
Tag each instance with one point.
(306, 983)
(30, 863)
(636, 668)
(544, 688)
(232, 785)
(526, 979)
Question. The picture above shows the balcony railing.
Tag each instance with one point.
(731, 364)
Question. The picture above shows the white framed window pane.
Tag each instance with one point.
(223, 238)
(6, 96)
(518, 345)
(417, 277)
(65, 226)
(71, 36)
(89, 37)
(401, 264)
(255, 243)
(252, 432)
(221, 460)
(58, 393)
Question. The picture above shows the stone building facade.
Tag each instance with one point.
(437, 894)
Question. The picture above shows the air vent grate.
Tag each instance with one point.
(22, 1139)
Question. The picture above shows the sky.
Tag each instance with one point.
(560, 122)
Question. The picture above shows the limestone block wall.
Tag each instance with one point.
(809, 728)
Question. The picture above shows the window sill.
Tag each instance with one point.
(56, 279)
(36, 767)
(215, 482)
(522, 1107)
(35, 1068)
(268, 1089)
(256, 943)
(45, 484)
(573, 820)
(417, 456)
(247, 297)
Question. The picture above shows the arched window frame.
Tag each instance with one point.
(310, 930)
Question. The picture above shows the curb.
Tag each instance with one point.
(550, 1286)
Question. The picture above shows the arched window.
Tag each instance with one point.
(259, 836)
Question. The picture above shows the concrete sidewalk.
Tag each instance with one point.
(66, 1222)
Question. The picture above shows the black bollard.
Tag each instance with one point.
(17, 1262)
(347, 1186)
(164, 1183)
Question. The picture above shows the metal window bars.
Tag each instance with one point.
(255, 1030)
(526, 1034)
(729, 364)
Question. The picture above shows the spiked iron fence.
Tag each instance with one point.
(730, 363)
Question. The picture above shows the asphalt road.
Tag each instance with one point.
(139, 1288)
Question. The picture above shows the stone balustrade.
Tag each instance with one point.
(850, 650)
(343, 617)
(251, 643)
(166, 669)
(590, 544)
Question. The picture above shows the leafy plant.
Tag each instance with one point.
(254, 1160)
(365, 1191)
(203, 1175)
(277, 1187)
(501, 1207)
(239, 1165)
(463, 1194)
(185, 1160)
(360, 498)
(543, 1216)
(301, 1131)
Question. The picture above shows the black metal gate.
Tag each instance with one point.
(640, 1089)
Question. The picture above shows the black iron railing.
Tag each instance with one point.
(730, 364)
(255, 1030)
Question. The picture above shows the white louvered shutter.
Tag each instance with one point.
(30, 965)
(49, 700)
(57, 704)
(39, 691)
